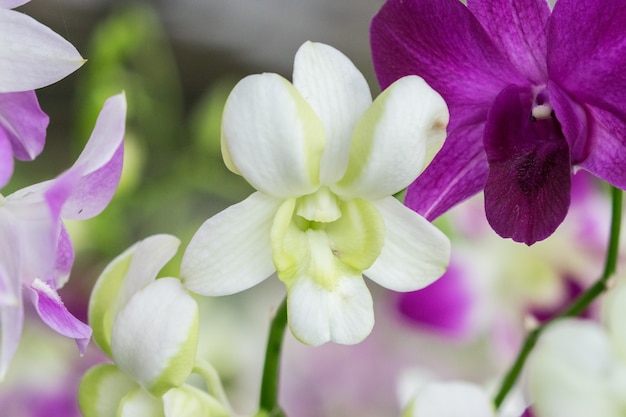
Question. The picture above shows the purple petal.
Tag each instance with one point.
(527, 193)
(607, 154)
(573, 120)
(65, 258)
(587, 52)
(456, 173)
(100, 163)
(6, 159)
(441, 41)
(24, 123)
(518, 28)
(443, 307)
(52, 311)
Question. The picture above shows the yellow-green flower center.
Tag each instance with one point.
(322, 237)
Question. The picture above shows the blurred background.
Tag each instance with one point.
(177, 61)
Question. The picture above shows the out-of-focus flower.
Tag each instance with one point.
(451, 399)
(31, 56)
(149, 328)
(325, 161)
(36, 253)
(578, 367)
(533, 95)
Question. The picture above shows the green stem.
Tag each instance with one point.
(268, 401)
(576, 307)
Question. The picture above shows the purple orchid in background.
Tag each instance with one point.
(36, 254)
(31, 56)
(532, 94)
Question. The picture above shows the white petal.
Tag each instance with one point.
(188, 401)
(415, 252)
(10, 4)
(338, 93)
(231, 251)
(32, 55)
(155, 335)
(343, 315)
(571, 369)
(272, 137)
(122, 278)
(392, 138)
(452, 399)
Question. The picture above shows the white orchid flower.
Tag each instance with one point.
(325, 161)
(578, 367)
(149, 328)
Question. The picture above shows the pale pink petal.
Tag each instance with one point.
(11, 321)
(24, 123)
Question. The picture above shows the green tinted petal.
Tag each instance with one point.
(272, 136)
(126, 274)
(140, 403)
(188, 401)
(102, 389)
(357, 237)
(155, 336)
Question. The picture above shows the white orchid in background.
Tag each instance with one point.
(36, 253)
(325, 161)
(31, 56)
(578, 367)
(149, 328)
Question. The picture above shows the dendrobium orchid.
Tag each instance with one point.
(325, 161)
(31, 56)
(578, 367)
(149, 328)
(36, 253)
(533, 95)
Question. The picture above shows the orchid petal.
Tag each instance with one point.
(606, 159)
(52, 311)
(231, 251)
(122, 278)
(140, 403)
(6, 159)
(102, 389)
(339, 95)
(11, 320)
(272, 136)
(395, 131)
(32, 55)
(528, 187)
(586, 59)
(188, 401)
(569, 371)
(100, 163)
(574, 123)
(447, 399)
(154, 336)
(10, 4)
(519, 29)
(456, 173)
(415, 252)
(442, 42)
(24, 123)
(65, 258)
(343, 314)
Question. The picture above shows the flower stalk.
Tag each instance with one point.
(577, 306)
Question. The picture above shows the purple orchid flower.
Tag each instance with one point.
(36, 253)
(31, 56)
(532, 94)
